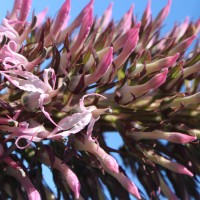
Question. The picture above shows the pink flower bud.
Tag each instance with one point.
(67, 173)
(162, 15)
(106, 17)
(182, 46)
(127, 94)
(61, 17)
(156, 65)
(147, 14)
(102, 67)
(128, 47)
(84, 31)
(15, 11)
(127, 184)
(173, 166)
(25, 9)
(170, 136)
(17, 172)
(125, 23)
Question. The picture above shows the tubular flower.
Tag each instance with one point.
(75, 92)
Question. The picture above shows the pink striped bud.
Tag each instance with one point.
(147, 14)
(106, 17)
(125, 23)
(25, 9)
(102, 67)
(17, 172)
(127, 94)
(84, 32)
(61, 17)
(15, 11)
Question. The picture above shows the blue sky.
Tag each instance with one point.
(179, 11)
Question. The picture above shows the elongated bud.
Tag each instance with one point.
(15, 11)
(84, 31)
(106, 17)
(156, 65)
(25, 9)
(107, 161)
(182, 46)
(67, 173)
(170, 136)
(17, 172)
(177, 102)
(147, 14)
(102, 67)
(125, 23)
(127, 184)
(173, 166)
(162, 15)
(61, 17)
(182, 29)
(128, 47)
(79, 19)
(127, 94)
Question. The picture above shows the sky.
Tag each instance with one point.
(180, 9)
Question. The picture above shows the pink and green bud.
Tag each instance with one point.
(174, 137)
(173, 166)
(126, 94)
(179, 101)
(155, 66)
(108, 163)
